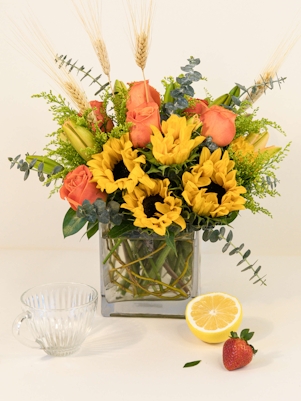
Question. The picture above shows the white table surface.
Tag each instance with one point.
(142, 358)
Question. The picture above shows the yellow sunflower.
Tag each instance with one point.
(174, 144)
(154, 208)
(118, 166)
(211, 188)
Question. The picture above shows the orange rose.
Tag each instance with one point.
(199, 108)
(143, 117)
(219, 123)
(104, 122)
(137, 95)
(77, 187)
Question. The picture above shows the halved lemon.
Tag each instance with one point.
(211, 317)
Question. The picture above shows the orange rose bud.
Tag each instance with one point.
(137, 95)
(142, 118)
(78, 187)
(199, 108)
(219, 123)
(104, 122)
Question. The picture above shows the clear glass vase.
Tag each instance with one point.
(142, 276)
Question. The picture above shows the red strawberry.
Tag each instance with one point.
(237, 353)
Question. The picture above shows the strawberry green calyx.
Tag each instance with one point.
(245, 335)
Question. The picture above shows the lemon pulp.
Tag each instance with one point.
(211, 317)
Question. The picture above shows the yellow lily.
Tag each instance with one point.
(80, 138)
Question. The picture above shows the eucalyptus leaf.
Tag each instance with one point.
(214, 236)
(246, 254)
(229, 236)
(181, 103)
(225, 247)
(26, 174)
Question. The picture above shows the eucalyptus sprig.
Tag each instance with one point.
(64, 61)
(218, 234)
(43, 165)
(176, 92)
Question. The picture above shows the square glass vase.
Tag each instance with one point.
(141, 276)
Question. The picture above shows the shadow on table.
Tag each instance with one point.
(108, 335)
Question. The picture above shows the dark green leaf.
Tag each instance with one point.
(246, 334)
(214, 236)
(32, 163)
(243, 88)
(247, 268)
(229, 236)
(119, 231)
(72, 224)
(24, 166)
(225, 247)
(26, 174)
(234, 251)
(190, 364)
(240, 247)
(247, 254)
(116, 219)
(206, 235)
(236, 101)
(170, 241)
(240, 262)
(222, 231)
(92, 229)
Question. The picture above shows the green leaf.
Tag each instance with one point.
(170, 241)
(118, 231)
(247, 268)
(235, 250)
(247, 254)
(229, 236)
(190, 364)
(92, 229)
(225, 247)
(222, 231)
(72, 224)
(206, 235)
(214, 236)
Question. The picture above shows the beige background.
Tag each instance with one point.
(233, 40)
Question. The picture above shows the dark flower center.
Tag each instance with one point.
(149, 204)
(220, 191)
(120, 171)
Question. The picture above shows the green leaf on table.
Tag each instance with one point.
(190, 364)
(72, 224)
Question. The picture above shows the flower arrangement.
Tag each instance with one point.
(163, 164)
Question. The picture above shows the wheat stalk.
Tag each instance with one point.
(141, 33)
(90, 15)
(274, 63)
(36, 47)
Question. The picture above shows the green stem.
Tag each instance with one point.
(113, 249)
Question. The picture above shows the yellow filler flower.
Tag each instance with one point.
(221, 195)
(118, 166)
(154, 208)
(174, 144)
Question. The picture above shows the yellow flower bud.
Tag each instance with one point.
(80, 138)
